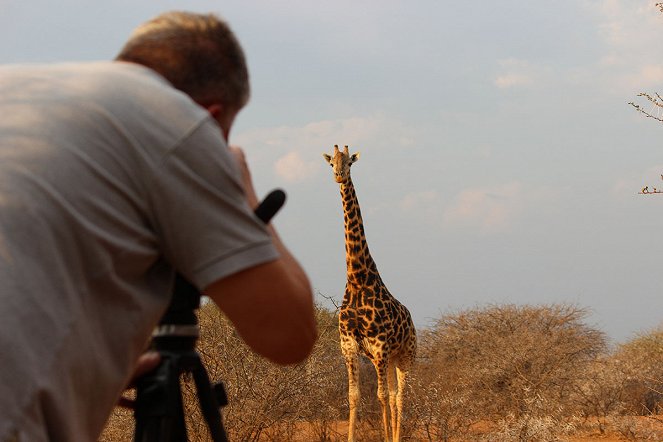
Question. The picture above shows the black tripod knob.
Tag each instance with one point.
(220, 394)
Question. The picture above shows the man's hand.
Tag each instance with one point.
(146, 362)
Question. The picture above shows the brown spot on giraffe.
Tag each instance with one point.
(371, 321)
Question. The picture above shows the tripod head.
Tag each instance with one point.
(178, 329)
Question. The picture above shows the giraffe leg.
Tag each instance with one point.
(401, 374)
(352, 364)
(381, 367)
(393, 400)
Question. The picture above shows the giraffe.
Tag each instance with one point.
(371, 321)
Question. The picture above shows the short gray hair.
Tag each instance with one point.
(197, 53)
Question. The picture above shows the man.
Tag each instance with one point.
(113, 176)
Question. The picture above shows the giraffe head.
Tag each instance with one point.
(341, 162)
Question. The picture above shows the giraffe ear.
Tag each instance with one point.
(327, 158)
(354, 157)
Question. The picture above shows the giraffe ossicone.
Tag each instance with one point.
(372, 322)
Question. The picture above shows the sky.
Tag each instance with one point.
(500, 160)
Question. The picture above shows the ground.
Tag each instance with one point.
(626, 428)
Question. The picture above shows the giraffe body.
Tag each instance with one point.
(372, 322)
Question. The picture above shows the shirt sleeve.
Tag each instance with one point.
(200, 213)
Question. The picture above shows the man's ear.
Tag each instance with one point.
(215, 110)
(222, 116)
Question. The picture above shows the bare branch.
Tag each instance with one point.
(332, 300)
(656, 101)
(647, 191)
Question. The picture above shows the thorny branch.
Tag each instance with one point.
(332, 300)
(656, 101)
(647, 191)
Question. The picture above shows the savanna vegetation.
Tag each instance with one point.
(496, 373)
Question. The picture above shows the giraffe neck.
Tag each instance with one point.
(361, 269)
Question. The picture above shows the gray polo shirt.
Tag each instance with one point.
(110, 180)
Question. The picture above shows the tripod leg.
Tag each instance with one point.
(208, 403)
(159, 412)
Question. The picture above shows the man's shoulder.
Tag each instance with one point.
(93, 80)
(139, 97)
(131, 72)
(86, 68)
(102, 97)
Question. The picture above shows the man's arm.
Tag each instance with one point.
(271, 311)
(270, 305)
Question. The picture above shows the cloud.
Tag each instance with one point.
(629, 30)
(517, 73)
(423, 207)
(626, 33)
(293, 168)
(639, 77)
(651, 74)
(483, 209)
(625, 23)
(418, 200)
(511, 80)
(295, 152)
(353, 131)
(488, 210)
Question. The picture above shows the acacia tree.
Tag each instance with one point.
(519, 365)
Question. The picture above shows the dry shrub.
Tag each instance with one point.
(441, 401)
(635, 428)
(641, 362)
(602, 392)
(120, 426)
(514, 365)
(269, 400)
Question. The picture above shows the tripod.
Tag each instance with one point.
(159, 411)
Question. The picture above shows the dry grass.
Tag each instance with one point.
(618, 429)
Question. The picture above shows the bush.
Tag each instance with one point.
(641, 361)
(517, 366)
(270, 400)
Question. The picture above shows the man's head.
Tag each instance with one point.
(199, 55)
